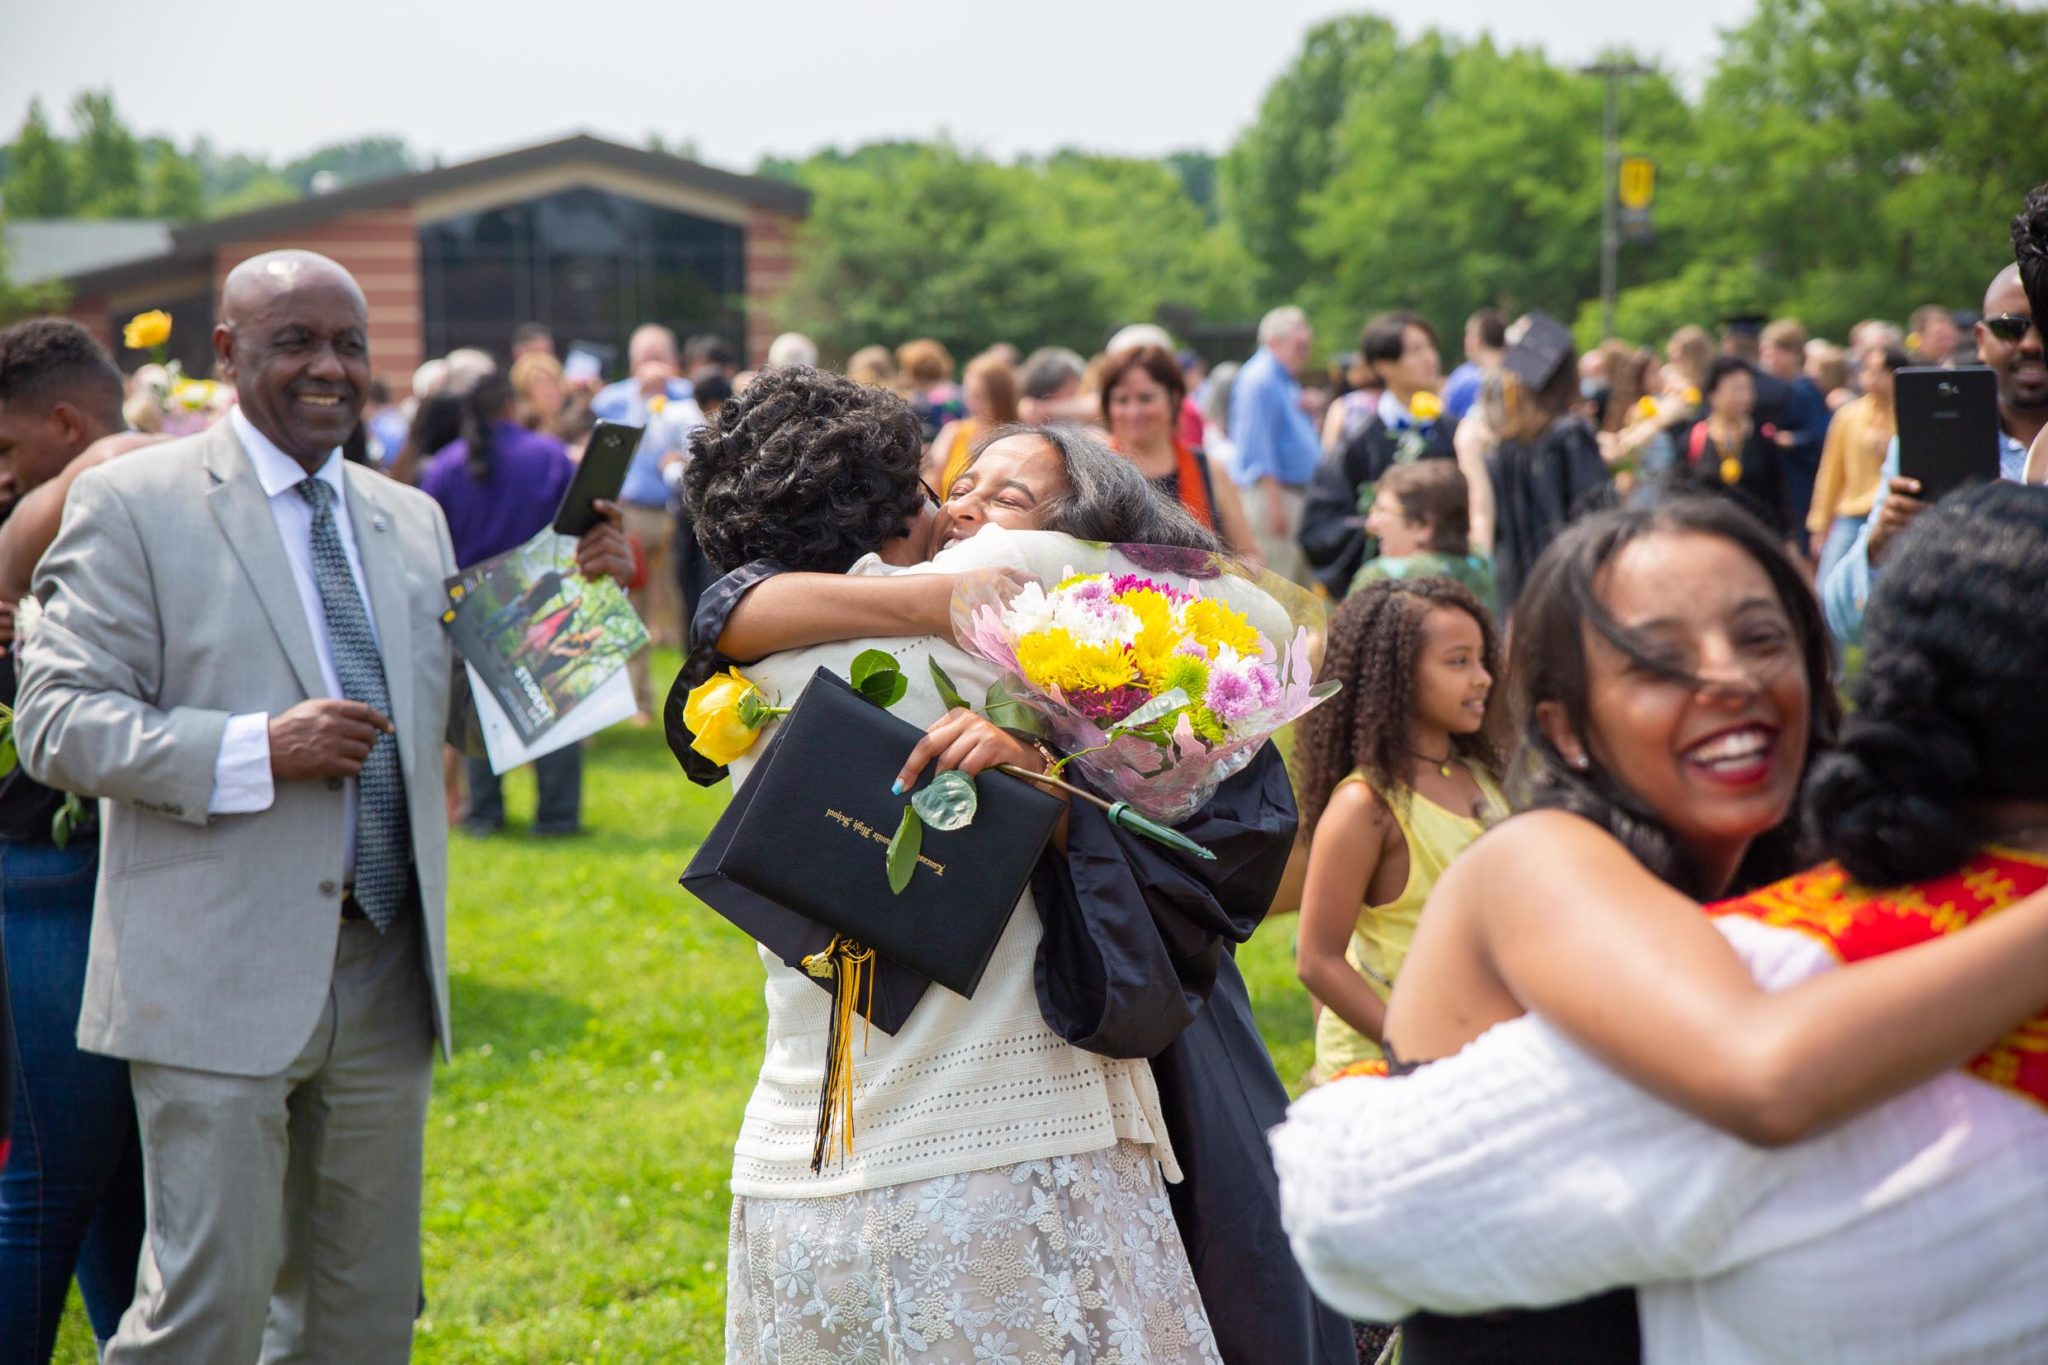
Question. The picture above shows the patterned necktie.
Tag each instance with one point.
(383, 842)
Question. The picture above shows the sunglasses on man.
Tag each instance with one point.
(2008, 327)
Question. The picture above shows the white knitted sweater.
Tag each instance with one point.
(964, 1085)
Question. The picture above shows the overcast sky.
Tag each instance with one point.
(460, 77)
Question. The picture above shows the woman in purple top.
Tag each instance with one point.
(499, 486)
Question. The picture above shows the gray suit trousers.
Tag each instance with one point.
(284, 1209)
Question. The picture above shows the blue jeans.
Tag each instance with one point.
(558, 775)
(71, 1195)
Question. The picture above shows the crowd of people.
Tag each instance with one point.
(1610, 592)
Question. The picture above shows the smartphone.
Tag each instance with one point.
(601, 475)
(1948, 426)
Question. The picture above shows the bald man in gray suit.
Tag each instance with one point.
(241, 654)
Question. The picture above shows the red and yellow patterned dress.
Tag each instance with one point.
(1855, 922)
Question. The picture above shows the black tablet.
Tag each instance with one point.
(600, 476)
(1948, 426)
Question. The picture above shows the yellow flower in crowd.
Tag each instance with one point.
(657, 404)
(1692, 395)
(1646, 408)
(1054, 659)
(717, 716)
(1426, 406)
(145, 330)
(1216, 625)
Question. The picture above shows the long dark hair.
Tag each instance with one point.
(2030, 250)
(1953, 663)
(488, 402)
(1373, 648)
(1556, 609)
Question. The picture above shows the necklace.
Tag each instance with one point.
(1442, 765)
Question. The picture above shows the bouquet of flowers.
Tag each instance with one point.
(1158, 672)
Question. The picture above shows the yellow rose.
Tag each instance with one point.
(1426, 406)
(713, 711)
(1646, 408)
(657, 404)
(145, 330)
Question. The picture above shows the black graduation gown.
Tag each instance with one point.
(1331, 534)
(1138, 961)
(1538, 488)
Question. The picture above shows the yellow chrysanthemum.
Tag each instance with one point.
(1189, 674)
(1073, 579)
(1053, 658)
(1215, 625)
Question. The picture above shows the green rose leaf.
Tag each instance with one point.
(876, 676)
(1006, 712)
(904, 847)
(948, 693)
(949, 802)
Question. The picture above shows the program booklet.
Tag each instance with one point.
(541, 641)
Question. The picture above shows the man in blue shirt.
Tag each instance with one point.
(1486, 341)
(1277, 448)
(2009, 343)
(655, 396)
(1782, 355)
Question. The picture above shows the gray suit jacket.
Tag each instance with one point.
(169, 605)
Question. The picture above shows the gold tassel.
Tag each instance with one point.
(851, 966)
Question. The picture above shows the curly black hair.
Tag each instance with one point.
(1373, 648)
(1954, 657)
(45, 361)
(2030, 249)
(1556, 609)
(806, 468)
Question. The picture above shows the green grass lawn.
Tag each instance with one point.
(608, 1029)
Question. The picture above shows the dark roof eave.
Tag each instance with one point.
(112, 279)
(405, 189)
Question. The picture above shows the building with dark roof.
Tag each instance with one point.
(589, 237)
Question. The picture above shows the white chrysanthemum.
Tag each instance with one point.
(27, 613)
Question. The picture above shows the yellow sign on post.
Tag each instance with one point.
(1638, 182)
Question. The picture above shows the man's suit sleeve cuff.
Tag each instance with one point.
(241, 775)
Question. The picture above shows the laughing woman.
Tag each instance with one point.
(1672, 684)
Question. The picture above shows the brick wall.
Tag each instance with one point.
(381, 248)
(770, 259)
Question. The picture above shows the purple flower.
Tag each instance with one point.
(1232, 694)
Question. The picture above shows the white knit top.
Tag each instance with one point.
(964, 1085)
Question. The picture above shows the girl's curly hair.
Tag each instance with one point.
(1953, 660)
(1373, 647)
(806, 468)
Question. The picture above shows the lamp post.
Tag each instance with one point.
(1610, 190)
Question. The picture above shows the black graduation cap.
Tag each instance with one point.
(1744, 324)
(1540, 352)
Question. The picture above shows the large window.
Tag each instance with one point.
(590, 264)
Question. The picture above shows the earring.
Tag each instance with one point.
(1581, 762)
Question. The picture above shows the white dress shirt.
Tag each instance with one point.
(242, 781)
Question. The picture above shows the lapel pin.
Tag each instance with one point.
(377, 522)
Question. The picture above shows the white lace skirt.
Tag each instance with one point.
(1072, 1261)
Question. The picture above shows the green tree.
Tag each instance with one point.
(353, 163)
(108, 160)
(177, 190)
(38, 183)
(1131, 224)
(1288, 153)
(1468, 175)
(1860, 157)
(934, 243)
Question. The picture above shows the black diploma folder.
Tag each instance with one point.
(800, 854)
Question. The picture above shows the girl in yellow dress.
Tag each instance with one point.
(1397, 777)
